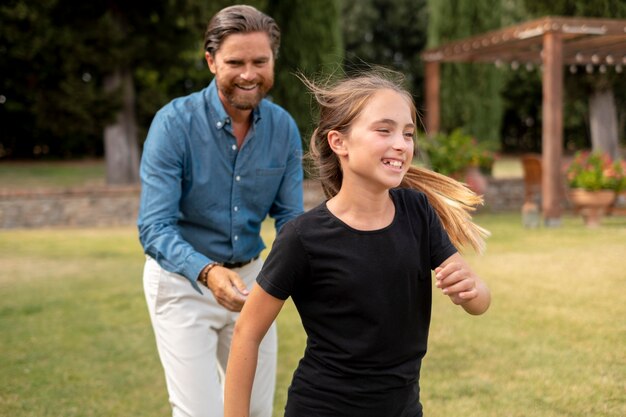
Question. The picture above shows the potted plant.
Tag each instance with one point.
(594, 180)
(460, 156)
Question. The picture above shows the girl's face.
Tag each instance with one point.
(379, 148)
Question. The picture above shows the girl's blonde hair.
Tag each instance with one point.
(340, 103)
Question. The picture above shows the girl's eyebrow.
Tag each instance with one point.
(392, 122)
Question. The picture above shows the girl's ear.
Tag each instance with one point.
(337, 143)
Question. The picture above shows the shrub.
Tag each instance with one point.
(451, 154)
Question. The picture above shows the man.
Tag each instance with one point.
(215, 164)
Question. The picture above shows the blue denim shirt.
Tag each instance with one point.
(202, 198)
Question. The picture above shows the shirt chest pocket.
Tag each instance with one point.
(266, 184)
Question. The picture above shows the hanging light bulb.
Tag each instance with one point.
(573, 69)
(589, 68)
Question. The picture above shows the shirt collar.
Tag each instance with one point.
(219, 116)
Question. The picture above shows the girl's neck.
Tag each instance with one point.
(365, 210)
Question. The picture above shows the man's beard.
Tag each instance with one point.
(243, 101)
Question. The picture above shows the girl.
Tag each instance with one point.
(358, 267)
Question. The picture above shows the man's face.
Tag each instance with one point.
(244, 69)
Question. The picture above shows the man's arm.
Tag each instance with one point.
(161, 175)
(289, 200)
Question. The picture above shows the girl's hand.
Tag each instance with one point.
(457, 282)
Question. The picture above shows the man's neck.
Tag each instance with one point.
(241, 121)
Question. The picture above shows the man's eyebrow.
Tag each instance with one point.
(256, 58)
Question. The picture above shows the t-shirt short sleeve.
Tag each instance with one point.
(286, 263)
(441, 248)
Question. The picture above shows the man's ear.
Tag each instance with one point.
(210, 61)
(336, 141)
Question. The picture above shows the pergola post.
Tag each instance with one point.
(552, 128)
(432, 79)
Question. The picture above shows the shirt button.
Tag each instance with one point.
(234, 147)
(219, 124)
(237, 178)
(236, 208)
(236, 237)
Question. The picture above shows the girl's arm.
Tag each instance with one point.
(457, 280)
(257, 315)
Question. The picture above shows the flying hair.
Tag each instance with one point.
(340, 101)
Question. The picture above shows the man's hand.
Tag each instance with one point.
(227, 287)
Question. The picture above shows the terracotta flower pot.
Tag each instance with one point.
(592, 205)
(475, 180)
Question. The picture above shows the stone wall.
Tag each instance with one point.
(504, 195)
(116, 206)
(81, 207)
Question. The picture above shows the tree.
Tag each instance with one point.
(390, 33)
(604, 91)
(47, 88)
(310, 43)
(470, 93)
(82, 67)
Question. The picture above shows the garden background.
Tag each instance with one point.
(80, 83)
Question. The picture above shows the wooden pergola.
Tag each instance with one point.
(550, 43)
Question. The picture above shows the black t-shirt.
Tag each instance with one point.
(364, 298)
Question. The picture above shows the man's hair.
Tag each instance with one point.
(240, 19)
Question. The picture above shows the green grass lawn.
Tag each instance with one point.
(25, 175)
(76, 338)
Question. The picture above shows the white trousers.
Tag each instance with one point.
(193, 334)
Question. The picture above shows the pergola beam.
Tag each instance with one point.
(528, 37)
